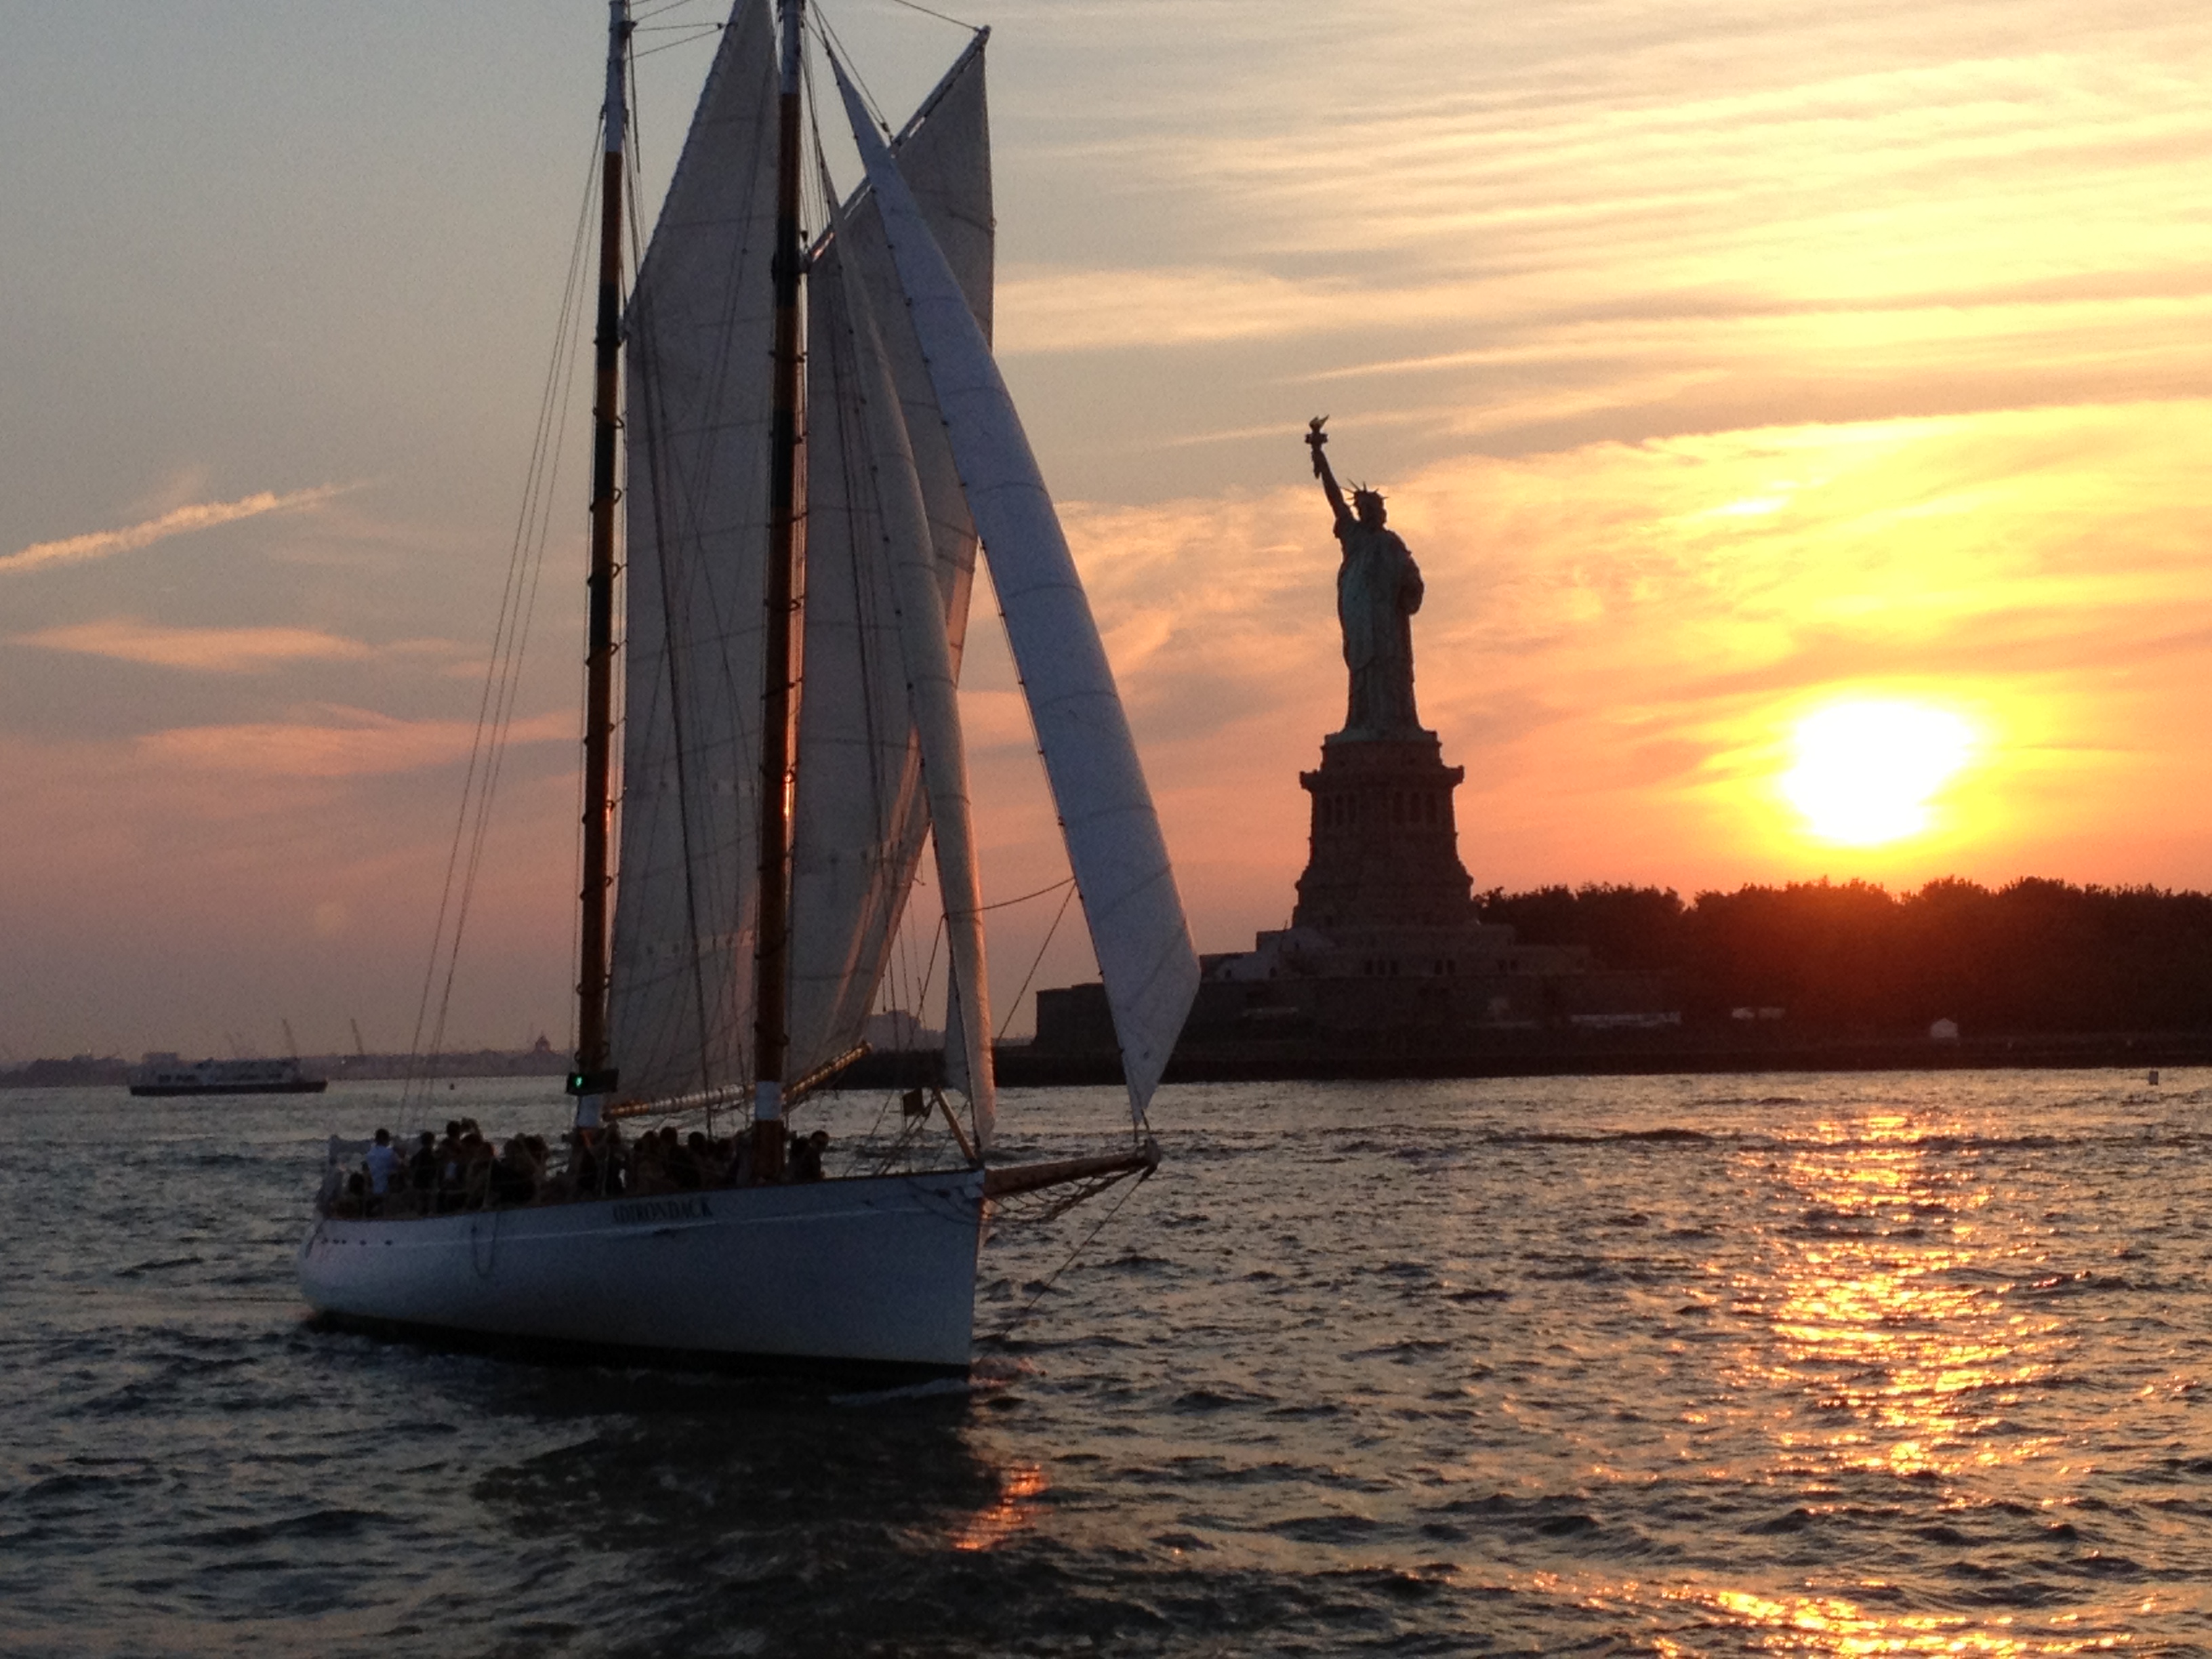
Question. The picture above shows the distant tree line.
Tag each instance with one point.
(2033, 955)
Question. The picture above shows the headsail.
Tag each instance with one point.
(1112, 835)
(874, 708)
(699, 326)
(883, 710)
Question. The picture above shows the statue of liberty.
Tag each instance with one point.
(1378, 588)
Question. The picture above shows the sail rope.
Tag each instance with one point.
(496, 704)
(1006, 1331)
(1024, 898)
(943, 17)
(1037, 962)
(823, 30)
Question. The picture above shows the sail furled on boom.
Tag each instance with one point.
(1112, 835)
(699, 327)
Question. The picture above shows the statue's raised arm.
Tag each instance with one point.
(1316, 439)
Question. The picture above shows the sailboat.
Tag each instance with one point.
(816, 442)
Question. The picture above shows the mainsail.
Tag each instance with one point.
(891, 560)
(1113, 835)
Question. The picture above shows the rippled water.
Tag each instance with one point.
(1862, 1365)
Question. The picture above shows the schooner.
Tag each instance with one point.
(806, 442)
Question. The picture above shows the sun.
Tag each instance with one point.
(1867, 771)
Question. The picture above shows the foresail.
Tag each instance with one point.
(1112, 835)
(866, 705)
(879, 735)
(700, 326)
(944, 151)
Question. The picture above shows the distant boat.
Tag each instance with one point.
(170, 1074)
(770, 831)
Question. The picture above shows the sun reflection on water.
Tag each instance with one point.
(1885, 1309)
(1014, 1511)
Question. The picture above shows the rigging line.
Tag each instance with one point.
(1025, 898)
(1029, 1307)
(518, 643)
(1039, 962)
(700, 31)
(662, 11)
(831, 39)
(941, 17)
(534, 489)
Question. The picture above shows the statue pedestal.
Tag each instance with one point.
(1385, 846)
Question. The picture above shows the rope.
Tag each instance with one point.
(1039, 961)
(942, 17)
(495, 703)
(1016, 1322)
(1002, 904)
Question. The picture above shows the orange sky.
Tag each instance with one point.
(1721, 363)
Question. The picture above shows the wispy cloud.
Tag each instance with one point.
(208, 650)
(179, 521)
(336, 743)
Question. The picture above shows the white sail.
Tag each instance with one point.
(699, 328)
(860, 817)
(1113, 835)
(872, 709)
(864, 495)
(945, 152)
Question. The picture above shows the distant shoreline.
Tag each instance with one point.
(1517, 1055)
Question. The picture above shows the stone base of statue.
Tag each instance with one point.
(1385, 844)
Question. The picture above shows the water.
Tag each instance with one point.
(1780, 1364)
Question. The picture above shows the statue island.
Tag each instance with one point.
(1386, 960)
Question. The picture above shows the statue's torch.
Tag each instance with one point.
(1316, 438)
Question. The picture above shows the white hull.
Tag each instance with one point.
(876, 1273)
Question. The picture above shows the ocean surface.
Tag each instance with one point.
(1862, 1365)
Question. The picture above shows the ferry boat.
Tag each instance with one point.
(172, 1074)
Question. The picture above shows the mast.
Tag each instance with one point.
(772, 960)
(592, 1077)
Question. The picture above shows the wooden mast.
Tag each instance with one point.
(772, 950)
(593, 1077)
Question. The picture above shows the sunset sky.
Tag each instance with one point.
(1726, 365)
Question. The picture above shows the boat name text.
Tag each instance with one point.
(662, 1209)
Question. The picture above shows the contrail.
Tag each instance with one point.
(204, 515)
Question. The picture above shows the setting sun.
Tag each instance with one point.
(1867, 772)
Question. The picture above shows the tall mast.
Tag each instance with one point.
(592, 1077)
(771, 1035)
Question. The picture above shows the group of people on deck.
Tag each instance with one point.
(464, 1172)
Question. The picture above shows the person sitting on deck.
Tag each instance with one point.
(805, 1160)
(476, 1160)
(383, 1163)
(512, 1180)
(422, 1171)
(647, 1174)
(692, 1162)
(450, 1168)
